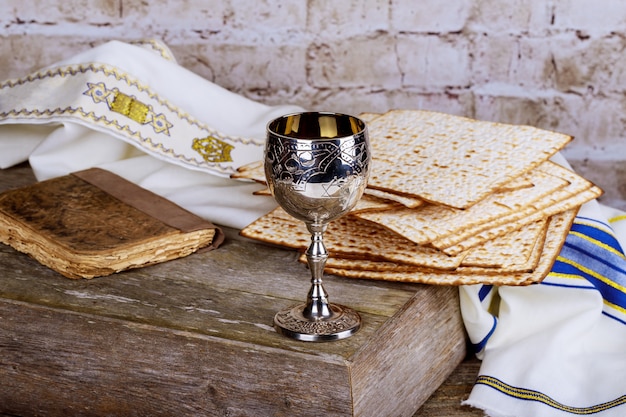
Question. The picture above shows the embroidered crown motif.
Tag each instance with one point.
(212, 149)
(128, 106)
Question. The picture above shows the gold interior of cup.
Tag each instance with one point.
(316, 125)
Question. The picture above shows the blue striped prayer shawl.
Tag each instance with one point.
(591, 259)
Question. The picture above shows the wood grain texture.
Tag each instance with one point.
(446, 401)
(393, 364)
(193, 336)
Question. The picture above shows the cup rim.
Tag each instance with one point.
(330, 113)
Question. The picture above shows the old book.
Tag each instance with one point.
(94, 223)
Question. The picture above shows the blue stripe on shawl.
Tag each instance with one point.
(593, 253)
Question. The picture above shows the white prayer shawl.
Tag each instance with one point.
(133, 110)
(557, 348)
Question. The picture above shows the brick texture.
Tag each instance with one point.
(555, 64)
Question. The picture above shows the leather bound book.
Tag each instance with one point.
(94, 223)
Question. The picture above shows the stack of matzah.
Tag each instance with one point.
(450, 201)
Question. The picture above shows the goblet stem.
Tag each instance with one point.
(317, 306)
(317, 320)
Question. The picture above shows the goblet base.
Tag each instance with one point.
(343, 322)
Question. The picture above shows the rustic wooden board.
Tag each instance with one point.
(193, 337)
(446, 401)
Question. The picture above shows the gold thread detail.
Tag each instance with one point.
(212, 149)
(110, 71)
(533, 395)
(89, 115)
(79, 112)
(128, 106)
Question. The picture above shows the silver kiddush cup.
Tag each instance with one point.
(317, 165)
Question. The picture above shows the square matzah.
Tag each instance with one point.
(453, 160)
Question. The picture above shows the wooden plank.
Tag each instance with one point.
(194, 336)
(393, 364)
(100, 366)
(201, 294)
(446, 400)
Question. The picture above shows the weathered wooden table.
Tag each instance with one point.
(194, 337)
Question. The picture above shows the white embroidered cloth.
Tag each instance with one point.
(557, 348)
(131, 109)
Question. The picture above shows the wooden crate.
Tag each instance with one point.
(194, 337)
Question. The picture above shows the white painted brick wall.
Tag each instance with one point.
(429, 16)
(555, 64)
(434, 62)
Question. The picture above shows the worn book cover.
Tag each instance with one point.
(94, 223)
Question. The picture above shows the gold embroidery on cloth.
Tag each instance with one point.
(98, 93)
(128, 106)
(212, 149)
